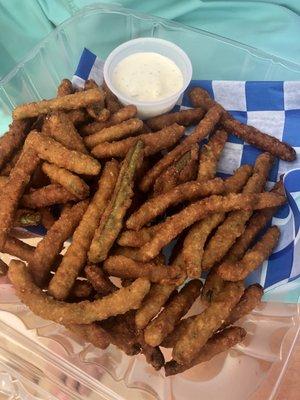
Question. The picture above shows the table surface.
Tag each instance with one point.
(290, 387)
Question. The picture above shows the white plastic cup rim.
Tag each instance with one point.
(144, 105)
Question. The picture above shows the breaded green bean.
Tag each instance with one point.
(165, 322)
(234, 224)
(236, 271)
(154, 143)
(250, 300)
(71, 182)
(91, 333)
(99, 280)
(68, 102)
(159, 204)
(13, 191)
(256, 223)
(130, 127)
(119, 116)
(182, 117)
(18, 248)
(59, 126)
(173, 226)
(52, 243)
(124, 267)
(50, 150)
(47, 196)
(206, 323)
(152, 304)
(84, 312)
(76, 256)
(112, 219)
(218, 343)
(210, 155)
(13, 139)
(200, 98)
(138, 238)
(184, 169)
(205, 126)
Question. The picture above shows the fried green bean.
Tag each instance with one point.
(112, 220)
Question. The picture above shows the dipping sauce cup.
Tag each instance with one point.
(148, 108)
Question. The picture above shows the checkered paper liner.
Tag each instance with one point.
(272, 107)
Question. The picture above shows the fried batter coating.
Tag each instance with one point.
(15, 247)
(152, 304)
(52, 151)
(196, 237)
(47, 196)
(99, 280)
(184, 169)
(183, 117)
(91, 333)
(236, 271)
(154, 142)
(81, 290)
(68, 102)
(119, 116)
(59, 126)
(112, 220)
(97, 110)
(111, 100)
(123, 333)
(174, 225)
(78, 116)
(13, 191)
(165, 322)
(47, 218)
(212, 286)
(130, 127)
(153, 355)
(138, 238)
(52, 243)
(234, 224)
(250, 300)
(200, 98)
(13, 139)
(124, 267)
(219, 342)
(10, 163)
(65, 87)
(205, 126)
(158, 204)
(194, 242)
(237, 181)
(71, 182)
(210, 155)
(76, 256)
(179, 330)
(205, 324)
(84, 312)
(256, 223)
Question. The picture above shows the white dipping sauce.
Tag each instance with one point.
(147, 77)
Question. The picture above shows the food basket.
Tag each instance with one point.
(41, 360)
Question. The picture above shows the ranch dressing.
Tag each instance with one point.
(147, 77)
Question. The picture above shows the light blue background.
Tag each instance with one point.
(270, 25)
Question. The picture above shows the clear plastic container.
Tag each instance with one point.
(147, 109)
(41, 360)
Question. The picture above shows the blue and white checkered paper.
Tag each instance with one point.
(272, 107)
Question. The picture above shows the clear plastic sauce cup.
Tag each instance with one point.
(147, 109)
